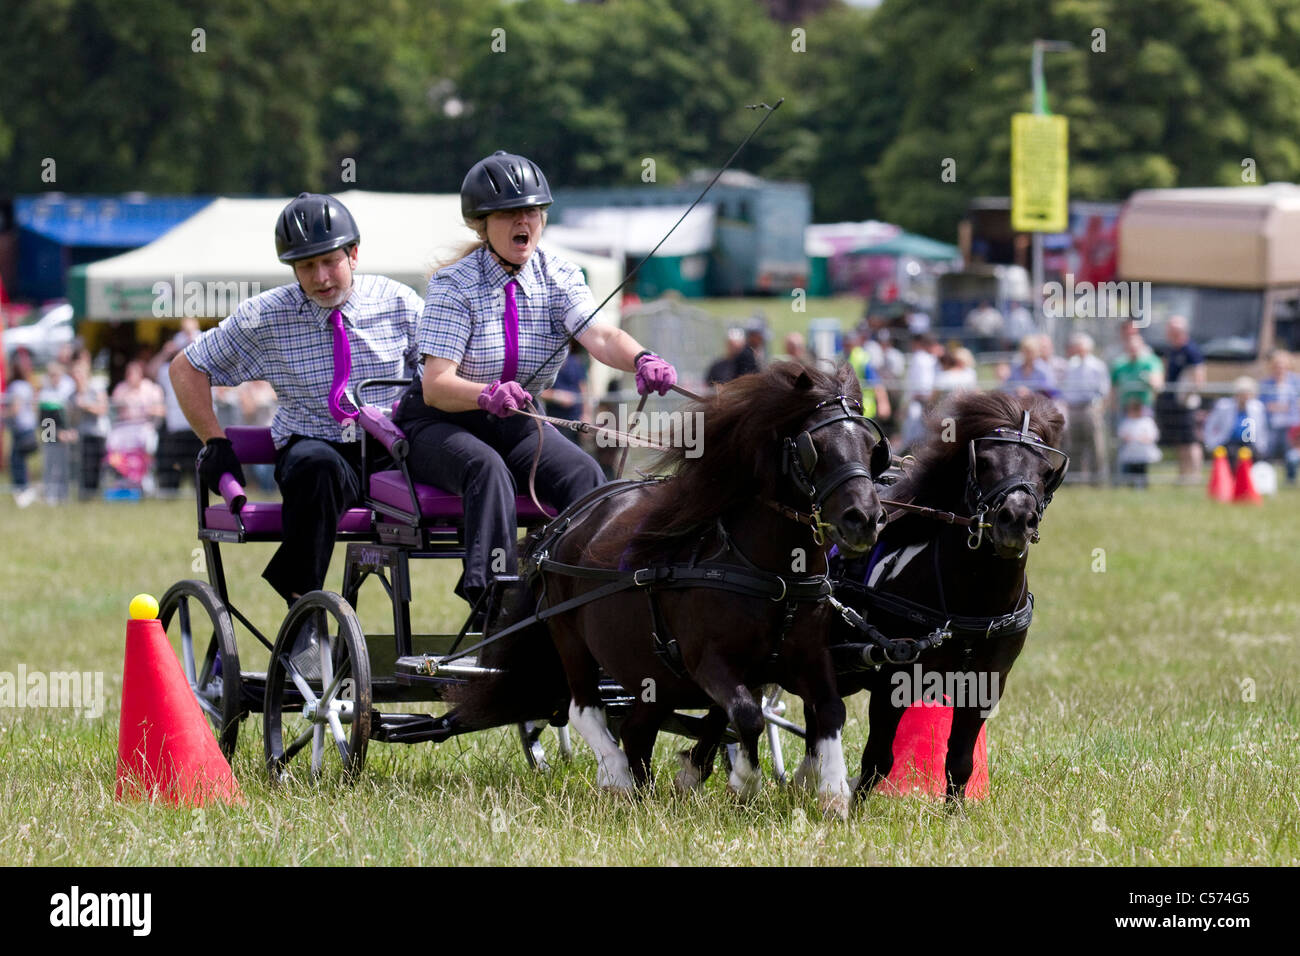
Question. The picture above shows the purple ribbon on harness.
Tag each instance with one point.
(510, 326)
(342, 368)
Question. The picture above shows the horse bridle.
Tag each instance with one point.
(982, 501)
(800, 461)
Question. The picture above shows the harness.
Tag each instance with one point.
(740, 576)
(981, 501)
(942, 625)
(800, 460)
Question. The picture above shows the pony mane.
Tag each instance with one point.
(741, 457)
(937, 478)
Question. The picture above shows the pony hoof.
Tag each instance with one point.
(615, 782)
(689, 777)
(835, 806)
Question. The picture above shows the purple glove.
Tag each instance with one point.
(502, 398)
(653, 374)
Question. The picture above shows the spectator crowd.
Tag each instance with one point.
(1122, 417)
(125, 438)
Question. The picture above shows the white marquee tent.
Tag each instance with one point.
(403, 236)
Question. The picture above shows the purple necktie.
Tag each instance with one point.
(342, 368)
(510, 326)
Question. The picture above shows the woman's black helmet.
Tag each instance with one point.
(502, 181)
(312, 225)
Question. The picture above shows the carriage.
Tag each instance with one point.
(334, 718)
(324, 722)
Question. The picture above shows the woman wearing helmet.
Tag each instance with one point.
(498, 318)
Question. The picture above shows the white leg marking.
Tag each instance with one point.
(746, 779)
(690, 777)
(612, 771)
(833, 794)
(906, 555)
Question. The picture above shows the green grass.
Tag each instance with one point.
(1123, 737)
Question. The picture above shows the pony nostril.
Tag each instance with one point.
(854, 521)
(1013, 520)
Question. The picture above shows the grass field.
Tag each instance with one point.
(1126, 736)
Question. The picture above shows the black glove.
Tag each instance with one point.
(217, 458)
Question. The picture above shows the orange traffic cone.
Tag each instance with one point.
(1220, 488)
(920, 749)
(165, 747)
(1244, 491)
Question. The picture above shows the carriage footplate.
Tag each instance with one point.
(411, 728)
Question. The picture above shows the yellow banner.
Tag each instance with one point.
(1040, 189)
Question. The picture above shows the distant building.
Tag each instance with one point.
(757, 243)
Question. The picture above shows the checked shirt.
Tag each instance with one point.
(463, 307)
(285, 338)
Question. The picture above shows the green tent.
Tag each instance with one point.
(910, 245)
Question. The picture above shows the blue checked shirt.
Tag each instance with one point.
(285, 338)
(465, 302)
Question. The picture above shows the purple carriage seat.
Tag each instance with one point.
(254, 446)
(436, 506)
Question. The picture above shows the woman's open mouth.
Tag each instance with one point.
(521, 240)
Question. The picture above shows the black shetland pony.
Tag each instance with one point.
(989, 455)
(729, 555)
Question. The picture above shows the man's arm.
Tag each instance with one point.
(194, 395)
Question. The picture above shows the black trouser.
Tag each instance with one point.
(176, 454)
(92, 459)
(319, 480)
(1135, 473)
(486, 460)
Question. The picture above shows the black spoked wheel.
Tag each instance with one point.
(199, 628)
(318, 696)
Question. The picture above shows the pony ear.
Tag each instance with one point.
(804, 381)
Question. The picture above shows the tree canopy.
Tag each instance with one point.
(282, 95)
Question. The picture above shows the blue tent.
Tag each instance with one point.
(56, 232)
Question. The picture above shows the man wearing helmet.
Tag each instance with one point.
(496, 321)
(295, 337)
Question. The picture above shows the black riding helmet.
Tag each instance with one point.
(312, 225)
(502, 181)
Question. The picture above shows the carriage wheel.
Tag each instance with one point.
(318, 727)
(199, 628)
(772, 707)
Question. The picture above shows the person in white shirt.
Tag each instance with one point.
(985, 323)
(1240, 421)
(918, 388)
(1138, 438)
(1085, 383)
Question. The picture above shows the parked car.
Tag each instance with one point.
(43, 336)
